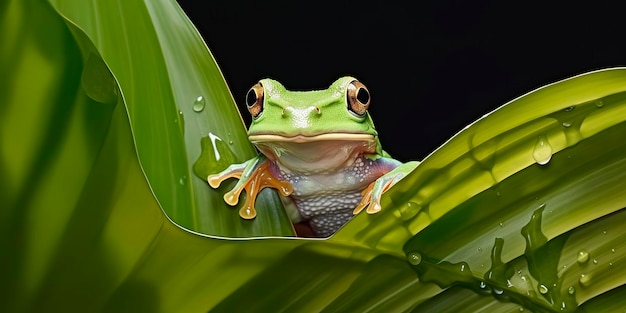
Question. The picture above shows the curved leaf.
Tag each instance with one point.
(180, 110)
(506, 206)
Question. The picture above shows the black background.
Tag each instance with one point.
(431, 67)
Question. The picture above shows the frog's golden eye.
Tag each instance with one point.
(358, 98)
(254, 100)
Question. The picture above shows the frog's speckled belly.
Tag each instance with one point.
(327, 200)
(327, 213)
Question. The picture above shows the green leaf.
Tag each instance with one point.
(179, 108)
(522, 209)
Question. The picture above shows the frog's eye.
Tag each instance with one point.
(254, 100)
(358, 98)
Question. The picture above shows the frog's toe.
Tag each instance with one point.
(233, 171)
(372, 194)
(232, 197)
(248, 211)
(215, 180)
(365, 200)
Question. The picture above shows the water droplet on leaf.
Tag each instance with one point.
(542, 153)
(98, 82)
(180, 120)
(585, 280)
(414, 258)
(199, 103)
(409, 210)
(583, 256)
(214, 157)
(543, 289)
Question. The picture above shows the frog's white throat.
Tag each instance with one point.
(315, 154)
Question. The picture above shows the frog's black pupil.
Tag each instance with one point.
(363, 96)
(251, 98)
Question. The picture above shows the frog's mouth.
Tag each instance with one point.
(303, 138)
(319, 153)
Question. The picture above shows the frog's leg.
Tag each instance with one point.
(372, 193)
(253, 175)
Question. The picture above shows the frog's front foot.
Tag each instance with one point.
(253, 175)
(372, 193)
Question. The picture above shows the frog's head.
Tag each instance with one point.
(310, 123)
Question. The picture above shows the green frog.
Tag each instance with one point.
(319, 149)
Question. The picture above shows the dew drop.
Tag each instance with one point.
(542, 153)
(183, 180)
(199, 103)
(583, 256)
(214, 157)
(566, 124)
(585, 280)
(571, 290)
(409, 210)
(501, 224)
(414, 258)
(543, 289)
(180, 120)
(599, 103)
(98, 82)
(613, 250)
(570, 108)
(595, 261)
